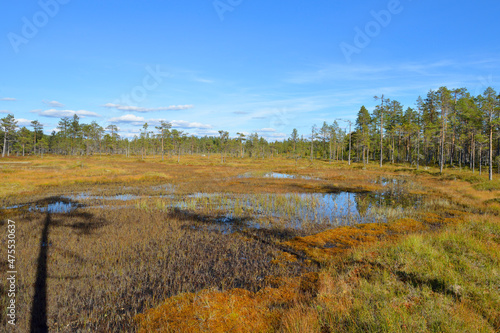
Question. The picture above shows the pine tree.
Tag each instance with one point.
(489, 108)
(362, 127)
(164, 130)
(381, 109)
(9, 125)
(37, 127)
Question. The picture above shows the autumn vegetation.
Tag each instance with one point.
(175, 233)
(146, 264)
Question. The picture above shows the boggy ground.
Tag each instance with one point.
(135, 266)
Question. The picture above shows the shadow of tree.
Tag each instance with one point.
(38, 322)
(86, 224)
(268, 236)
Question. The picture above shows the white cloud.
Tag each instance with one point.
(187, 124)
(53, 104)
(23, 122)
(129, 132)
(128, 118)
(137, 120)
(266, 130)
(10, 99)
(203, 132)
(141, 109)
(274, 136)
(4, 111)
(53, 113)
(240, 112)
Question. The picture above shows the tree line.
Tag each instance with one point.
(446, 128)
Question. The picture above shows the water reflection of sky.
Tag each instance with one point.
(56, 207)
(119, 197)
(276, 175)
(294, 208)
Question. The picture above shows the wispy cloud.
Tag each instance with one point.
(4, 111)
(129, 132)
(53, 104)
(266, 130)
(187, 124)
(240, 112)
(53, 113)
(274, 136)
(203, 80)
(9, 99)
(203, 132)
(137, 120)
(141, 109)
(341, 72)
(23, 122)
(127, 119)
(270, 134)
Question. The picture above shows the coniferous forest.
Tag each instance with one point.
(446, 128)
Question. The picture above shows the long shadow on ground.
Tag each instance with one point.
(38, 320)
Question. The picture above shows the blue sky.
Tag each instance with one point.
(237, 65)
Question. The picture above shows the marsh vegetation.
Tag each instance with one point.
(278, 245)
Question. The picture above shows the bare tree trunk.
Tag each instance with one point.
(330, 156)
(4, 143)
(441, 162)
(480, 160)
(392, 149)
(460, 160)
(490, 171)
(473, 149)
(418, 148)
(452, 148)
(312, 143)
(381, 144)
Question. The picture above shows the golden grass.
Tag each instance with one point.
(400, 276)
(325, 245)
(236, 310)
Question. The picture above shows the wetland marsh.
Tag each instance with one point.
(155, 245)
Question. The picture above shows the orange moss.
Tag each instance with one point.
(334, 241)
(407, 225)
(284, 258)
(235, 310)
(432, 218)
(309, 284)
(324, 245)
